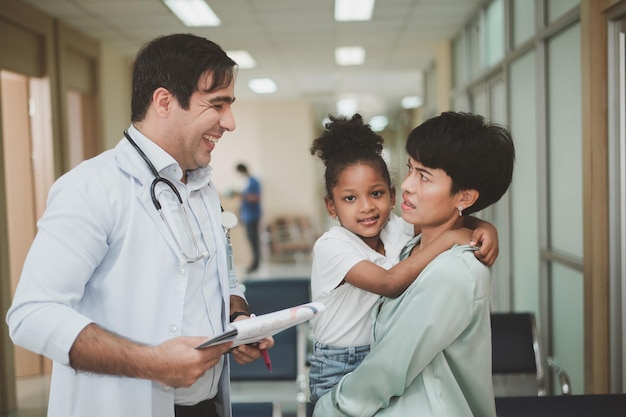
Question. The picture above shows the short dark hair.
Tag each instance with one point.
(476, 154)
(346, 142)
(241, 167)
(176, 63)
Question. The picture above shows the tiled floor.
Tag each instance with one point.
(32, 392)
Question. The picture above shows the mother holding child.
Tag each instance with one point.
(430, 352)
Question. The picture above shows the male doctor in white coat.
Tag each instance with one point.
(128, 272)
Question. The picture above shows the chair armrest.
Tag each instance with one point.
(562, 376)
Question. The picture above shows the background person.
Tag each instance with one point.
(250, 214)
(118, 296)
(431, 346)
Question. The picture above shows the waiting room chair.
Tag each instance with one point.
(288, 381)
(516, 357)
(593, 405)
(256, 409)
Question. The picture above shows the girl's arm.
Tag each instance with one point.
(392, 282)
(485, 236)
(413, 330)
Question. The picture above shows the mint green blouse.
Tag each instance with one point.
(431, 348)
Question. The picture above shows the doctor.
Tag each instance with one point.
(128, 271)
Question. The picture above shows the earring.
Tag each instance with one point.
(333, 216)
(460, 209)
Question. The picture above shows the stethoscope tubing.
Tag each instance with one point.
(157, 179)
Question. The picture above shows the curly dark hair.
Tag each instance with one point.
(346, 142)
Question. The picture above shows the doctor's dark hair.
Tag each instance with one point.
(176, 63)
(347, 142)
(476, 154)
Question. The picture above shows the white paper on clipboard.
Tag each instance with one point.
(257, 328)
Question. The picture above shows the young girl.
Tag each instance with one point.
(354, 264)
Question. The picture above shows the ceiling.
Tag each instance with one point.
(293, 42)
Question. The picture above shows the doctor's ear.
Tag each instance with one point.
(162, 101)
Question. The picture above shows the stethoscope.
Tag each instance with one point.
(159, 179)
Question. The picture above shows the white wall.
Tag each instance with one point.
(273, 138)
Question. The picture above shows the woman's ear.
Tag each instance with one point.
(467, 198)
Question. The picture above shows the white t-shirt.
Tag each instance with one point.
(346, 320)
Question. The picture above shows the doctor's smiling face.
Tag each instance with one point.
(194, 132)
(183, 89)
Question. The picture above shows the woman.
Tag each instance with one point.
(431, 346)
(357, 261)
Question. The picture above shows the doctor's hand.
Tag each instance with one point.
(245, 354)
(177, 363)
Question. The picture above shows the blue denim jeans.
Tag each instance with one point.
(329, 364)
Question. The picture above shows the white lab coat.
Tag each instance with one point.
(102, 254)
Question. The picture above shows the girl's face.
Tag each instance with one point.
(426, 197)
(362, 201)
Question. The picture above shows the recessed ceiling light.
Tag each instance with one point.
(411, 102)
(243, 59)
(349, 55)
(346, 107)
(378, 123)
(193, 12)
(352, 10)
(262, 85)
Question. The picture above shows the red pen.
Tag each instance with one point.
(266, 356)
(266, 359)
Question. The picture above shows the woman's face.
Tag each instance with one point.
(426, 197)
(362, 201)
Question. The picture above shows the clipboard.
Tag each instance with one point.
(257, 328)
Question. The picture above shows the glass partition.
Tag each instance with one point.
(524, 192)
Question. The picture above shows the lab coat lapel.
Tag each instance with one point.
(130, 162)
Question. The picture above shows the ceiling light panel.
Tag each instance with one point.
(193, 13)
(346, 107)
(353, 10)
(262, 85)
(243, 59)
(349, 55)
(378, 123)
(411, 102)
